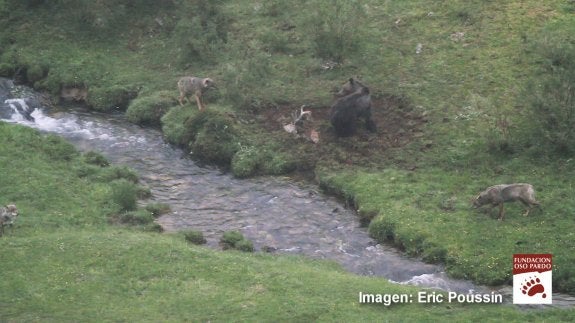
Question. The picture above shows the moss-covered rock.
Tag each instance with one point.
(211, 137)
(245, 162)
(7, 69)
(278, 163)
(249, 161)
(149, 109)
(36, 72)
(173, 125)
(112, 98)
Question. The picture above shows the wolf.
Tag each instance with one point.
(497, 195)
(191, 85)
(353, 101)
(8, 214)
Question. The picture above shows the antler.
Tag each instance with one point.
(297, 118)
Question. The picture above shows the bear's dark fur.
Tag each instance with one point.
(354, 102)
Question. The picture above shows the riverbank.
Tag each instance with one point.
(65, 262)
(456, 104)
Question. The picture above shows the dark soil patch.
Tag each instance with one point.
(398, 124)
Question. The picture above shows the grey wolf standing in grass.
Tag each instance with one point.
(354, 101)
(497, 195)
(7, 216)
(191, 85)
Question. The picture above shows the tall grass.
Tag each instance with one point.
(550, 94)
(337, 28)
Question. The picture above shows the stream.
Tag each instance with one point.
(276, 213)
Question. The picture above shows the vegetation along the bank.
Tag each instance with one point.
(466, 94)
(68, 259)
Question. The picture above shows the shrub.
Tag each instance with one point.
(195, 237)
(549, 95)
(498, 141)
(153, 227)
(87, 170)
(95, 158)
(158, 209)
(433, 253)
(107, 174)
(144, 192)
(125, 194)
(235, 240)
(246, 77)
(230, 239)
(245, 162)
(201, 36)
(138, 217)
(119, 172)
(245, 245)
(336, 28)
(382, 229)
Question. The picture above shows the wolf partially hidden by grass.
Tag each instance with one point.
(8, 214)
(191, 85)
(354, 101)
(497, 195)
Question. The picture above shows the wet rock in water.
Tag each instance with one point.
(269, 249)
(74, 93)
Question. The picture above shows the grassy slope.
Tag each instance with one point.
(469, 85)
(31, 181)
(465, 84)
(119, 275)
(63, 262)
(428, 214)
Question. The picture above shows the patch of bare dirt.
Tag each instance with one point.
(398, 124)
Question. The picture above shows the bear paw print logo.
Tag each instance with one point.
(533, 287)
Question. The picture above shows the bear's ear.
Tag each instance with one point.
(351, 80)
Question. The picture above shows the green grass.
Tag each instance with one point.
(64, 262)
(123, 275)
(429, 214)
(477, 59)
(36, 175)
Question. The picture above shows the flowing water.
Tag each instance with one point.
(286, 216)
